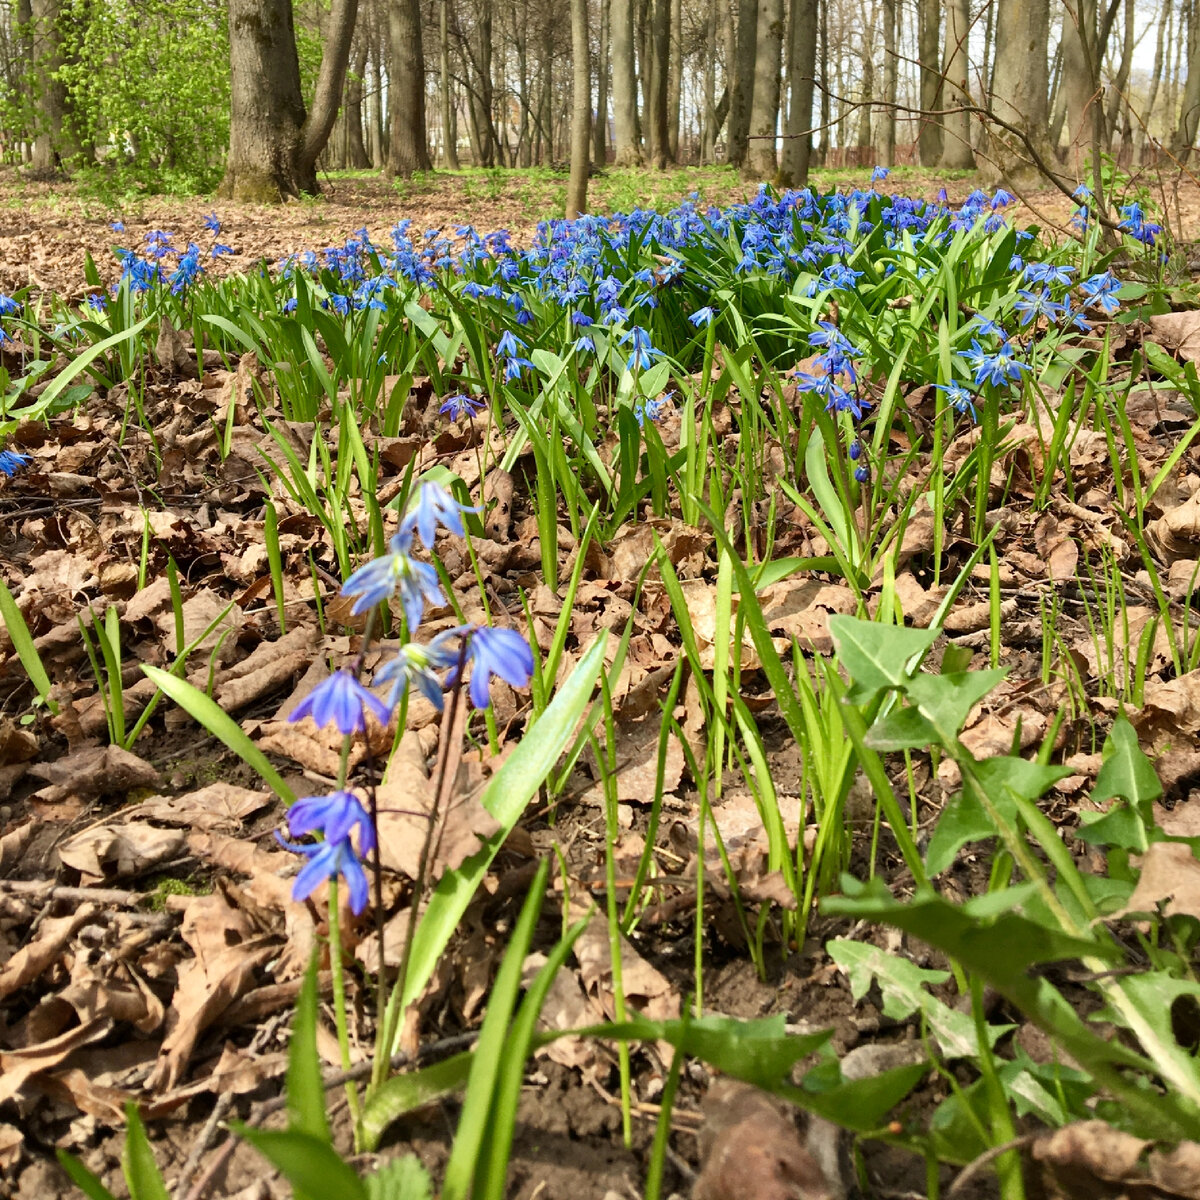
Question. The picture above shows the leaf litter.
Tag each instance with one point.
(158, 1000)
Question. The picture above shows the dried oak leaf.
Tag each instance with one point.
(1176, 534)
(18, 1067)
(1170, 872)
(1180, 332)
(219, 806)
(749, 1147)
(92, 771)
(119, 851)
(31, 960)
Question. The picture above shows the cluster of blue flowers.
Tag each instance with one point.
(344, 702)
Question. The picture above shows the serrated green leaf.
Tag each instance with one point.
(962, 821)
(861, 1105)
(946, 700)
(1126, 772)
(401, 1179)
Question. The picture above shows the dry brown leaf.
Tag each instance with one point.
(17, 745)
(31, 960)
(646, 989)
(12, 846)
(11, 1141)
(227, 955)
(1092, 1158)
(1176, 534)
(91, 771)
(219, 806)
(18, 1067)
(119, 851)
(637, 764)
(1170, 872)
(1180, 332)
(1170, 708)
(749, 1147)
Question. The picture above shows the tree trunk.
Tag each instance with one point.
(887, 143)
(581, 112)
(660, 66)
(708, 131)
(628, 152)
(826, 98)
(1120, 85)
(866, 114)
(929, 44)
(1081, 76)
(956, 148)
(408, 150)
(764, 112)
(53, 140)
(797, 149)
(356, 150)
(449, 146)
(741, 96)
(1189, 114)
(1020, 82)
(1142, 128)
(375, 100)
(600, 126)
(675, 80)
(484, 97)
(266, 108)
(327, 98)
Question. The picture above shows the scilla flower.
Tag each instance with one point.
(326, 860)
(418, 666)
(342, 701)
(396, 572)
(11, 462)
(335, 815)
(434, 506)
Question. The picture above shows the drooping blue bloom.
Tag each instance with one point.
(1001, 198)
(959, 398)
(510, 345)
(335, 815)
(830, 335)
(212, 223)
(11, 462)
(862, 473)
(987, 327)
(341, 700)
(460, 406)
(879, 174)
(651, 409)
(703, 316)
(1049, 273)
(1100, 290)
(117, 226)
(327, 860)
(396, 572)
(501, 652)
(96, 301)
(585, 345)
(513, 367)
(418, 666)
(432, 507)
(643, 352)
(1133, 222)
(8, 306)
(855, 450)
(997, 367)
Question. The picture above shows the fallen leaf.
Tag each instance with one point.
(1170, 872)
(31, 960)
(119, 851)
(18, 1067)
(92, 771)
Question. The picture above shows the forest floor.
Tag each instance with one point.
(84, 973)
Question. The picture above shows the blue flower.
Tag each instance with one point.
(460, 406)
(117, 226)
(651, 409)
(392, 573)
(831, 336)
(960, 399)
(8, 306)
(703, 316)
(996, 367)
(11, 462)
(417, 665)
(879, 174)
(585, 345)
(1100, 290)
(514, 366)
(326, 860)
(434, 506)
(510, 345)
(340, 700)
(1133, 222)
(1032, 305)
(501, 652)
(335, 816)
(212, 223)
(643, 353)
(987, 327)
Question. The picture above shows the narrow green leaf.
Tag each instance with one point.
(82, 1178)
(22, 641)
(305, 1087)
(412, 1090)
(309, 1164)
(137, 1161)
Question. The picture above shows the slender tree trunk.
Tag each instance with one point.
(761, 159)
(330, 80)
(660, 68)
(708, 131)
(741, 96)
(675, 79)
(375, 101)
(887, 143)
(356, 150)
(1174, 39)
(445, 100)
(1120, 85)
(54, 139)
(581, 112)
(826, 96)
(1019, 93)
(1189, 115)
(408, 149)
(1080, 86)
(929, 44)
(797, 149)
(956, 148)
(866, 114)
(600, 126)
(1141, 128)
(628, 152)
(548, 89)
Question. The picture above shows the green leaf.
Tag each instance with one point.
(305, 1087)
(221, 725)
(412, 1090)
(401, 1179)
(945, 700)
(82, 1178)
(137, 1161)
(876, 657)
(860, 1104)
(310, 1165)
(1126, 772)
(903, 729)
(22, 642)
(505, 797)
(475, 1120)
(904, 988)
(46, 399)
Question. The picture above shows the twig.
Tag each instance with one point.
(973, 1168)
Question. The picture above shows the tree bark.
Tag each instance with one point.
(1120, 85)
(887, 144)
(660, 66)
(1189, 114)
(956, 148)
(445, 96)
(628, 152)
(797, 149)
(708, 132)
(581, 112)
(741, 96)
(600, 125)
(675, 80)
(356, 150)
(54, 140)
(929, 42)
(327, 98)
(764, 111)
(1081, 76)
(408, 150)
(1020, 87)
